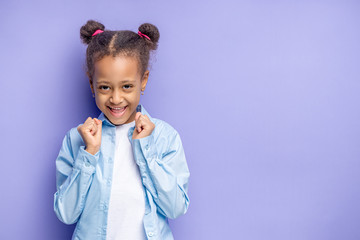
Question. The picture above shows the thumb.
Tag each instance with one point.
(98, 123)
(138, 114)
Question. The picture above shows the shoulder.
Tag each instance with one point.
(164, 128)
(166, 138)
(166, 135)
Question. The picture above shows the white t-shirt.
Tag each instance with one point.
(127, 203)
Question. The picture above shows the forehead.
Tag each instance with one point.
(117, 68)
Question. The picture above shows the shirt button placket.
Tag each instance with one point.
(103, 207)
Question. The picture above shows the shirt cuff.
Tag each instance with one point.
(86, 161)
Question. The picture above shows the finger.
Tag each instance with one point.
(90, 124)
(137, 116)
(99, 125)
(138, 121)
(83, 127)
(94, 129)
(88, 120)
(145, 121)
(139, 124)
(98, 121)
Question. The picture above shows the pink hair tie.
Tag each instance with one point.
(97, 32)
(143, 35)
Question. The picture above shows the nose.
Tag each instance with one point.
(116, 98)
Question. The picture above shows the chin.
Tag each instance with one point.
(117, 121)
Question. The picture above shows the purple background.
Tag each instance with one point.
(264, 95)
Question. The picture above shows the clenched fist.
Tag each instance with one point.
(90, 132)
(143, 126)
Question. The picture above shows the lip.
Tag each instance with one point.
(117, 113)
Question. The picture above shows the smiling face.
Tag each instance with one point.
(117, 85)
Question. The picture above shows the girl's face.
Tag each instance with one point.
(117, 86)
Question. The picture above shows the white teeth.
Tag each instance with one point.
(117, 108)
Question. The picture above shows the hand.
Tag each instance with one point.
(143, 126)
(90, 132)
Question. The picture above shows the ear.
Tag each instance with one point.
(144, 80)
(91, 83)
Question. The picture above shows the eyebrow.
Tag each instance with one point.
(124, 81)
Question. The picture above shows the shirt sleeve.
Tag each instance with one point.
(165, 174)
(73, 180)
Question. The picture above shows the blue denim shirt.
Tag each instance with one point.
(84, 180)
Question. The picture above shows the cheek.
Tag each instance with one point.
(135, 97)
(100, 99)
(136, 92)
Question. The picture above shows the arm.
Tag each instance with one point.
(73, 180)
(165, 174)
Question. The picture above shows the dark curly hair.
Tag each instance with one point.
(115, 43)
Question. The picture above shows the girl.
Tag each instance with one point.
(123, 174)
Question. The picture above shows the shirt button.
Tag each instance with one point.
(147, 147)
(87, 164)
(150, 234)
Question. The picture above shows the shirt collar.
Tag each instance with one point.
(139, 108)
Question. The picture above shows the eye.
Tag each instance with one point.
(104, 87)
(127, 86)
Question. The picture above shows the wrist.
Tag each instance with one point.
(91, 150)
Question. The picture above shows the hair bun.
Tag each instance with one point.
(152, 32)
(87, 30)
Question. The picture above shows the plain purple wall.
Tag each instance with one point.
(265, 95)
